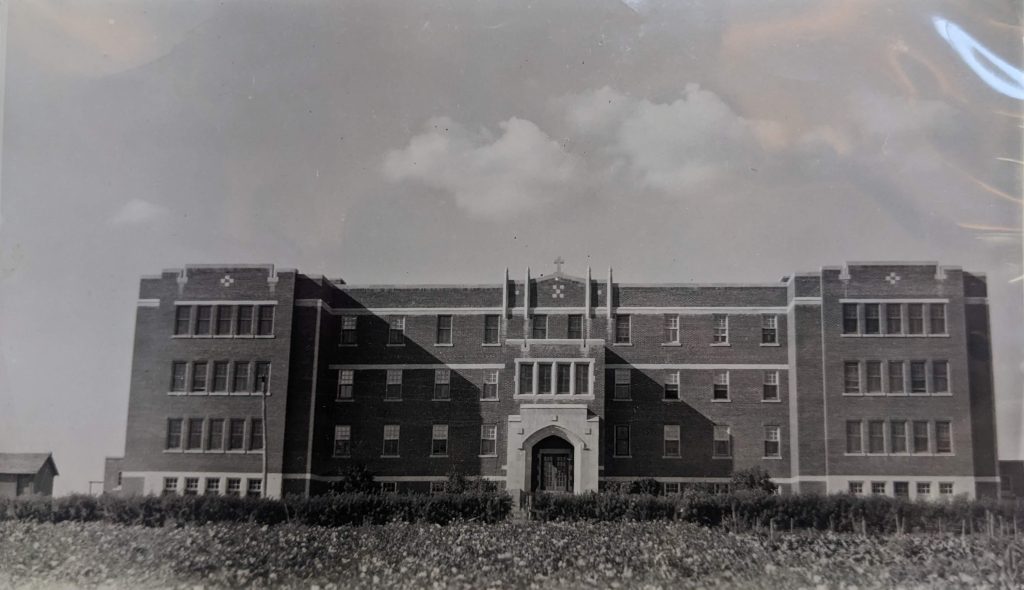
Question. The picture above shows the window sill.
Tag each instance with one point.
(771, 401)
(489, 400)
(622, 344)
(495, 456)
(392, 400)
(394, 345)
(773, 458)
(341, 456)
(720, 401)
(896, 394)
(444, 345)
(673, 400)
(439, 456)
(553, 396)
(671, 457)
(390, 456)
(852, 394)
(729, 457)
(771, 344)
(440, 400)
(671, 343)
(874, 394)
(264, 336)
(348, 345)
(622, 456)
(720, 344)
(622, 399)
(491, 344)
(345, 400)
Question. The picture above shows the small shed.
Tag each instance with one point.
(26, 474)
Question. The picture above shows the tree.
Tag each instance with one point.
(754, 479)
(358, 478)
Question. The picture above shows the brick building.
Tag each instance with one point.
(868, 378)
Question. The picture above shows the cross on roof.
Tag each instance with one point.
(558, 264)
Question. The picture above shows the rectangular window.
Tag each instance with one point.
(851, 325)
(391, 434)
(236, 434)
(346, 379)
(574, 328)
(262, 376)
(769, 329)
(265, 327)
(770, 388)
(720, 387)
(896, 377)
(526, 378)
(254, 488)
(256, 434)
(871, 319)
(389, 487)
(243, 326)
(901, 489)
(945, 488)
(241, 381)
(539, 327)
(854, 441)
(876, 436)
(191, 486)
(170, 486)
(234, 486)
(937, 318)
(544, 377)
(918, 380)
(720, 331)
(349, 330)
(622, 329)
(204, 318)
(582, 378)
(671, 441)
(396, 330)
(220, 376)
(915, 318)
(442, 384)
(672, 329)
(179, 372)
(393, 388)
(489, 440)
(490, 390)
(851, 377)
(174, 433)
(722, 444)
(444, 329)
(622, 383)
(182, 319)
(195, 434)
(342, 440)
(671, 488)
(893, 318)
(436, 487)
(491, 328)
(215, 440)
(898, 436)
(873, 376)
(212, 486)
(439, 440)
(924, 488)
(878, 488)
(224, 321)
(621, 440)
(856, 487)
(940, 377)
(563, 379)
(672, 385)
(921, 442)
(943, 437)
(772, 441)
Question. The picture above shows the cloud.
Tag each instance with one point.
(488, 175)
(136, 212)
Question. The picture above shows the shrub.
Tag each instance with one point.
(754, 479)
(358, 479)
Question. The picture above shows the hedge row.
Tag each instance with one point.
(328, 510)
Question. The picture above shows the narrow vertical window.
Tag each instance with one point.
(204, 318)
(896, 377)
(622, 329)
(391, 435)
(393, 388)
(854, 442)
(170, 486)
(544, 378)
(215, 438)
(174, 433)
(490, 390)
(672, 385)
(563, 379)
(873, 376)
(346, 379)
(444, 329)
(240, 383)
(224, 320)
(671, 440)
(901, 489)
(199, 376)
(937, 318)
(349, 330)
(195, 434)
(243, 326)
(265, 326)
(622, 384)
(236, 434)
(720, 330)
(770, 388)
(489, 440)
(722, 444)
(220, 376)
(256, 434)
(851, 377)
(539, 327)
(851, 324)
(769, 329)
(871, 319)
(918, 378)
(179, 372)
(621, 440)
(915, 318)
(876, 436)
(442, 384)
(182, 319)
(491, 328)
(922, 444)
(574, 329)
(439, 440)
(672, 329)
(582, 378)
(772, 441)
(262, 381)
(898, 436)
(893, 318)
(396, 330)
(526, 378)
(940, 376)
(720, 387)
(943, 437)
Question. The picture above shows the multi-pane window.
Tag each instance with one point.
(915, 318)
(672, 385)
(265, 321)
(436, 487)
(393, 388)
(770, 388)
(937, 318)
(621, 440)
(342, 440)
(622, 329)
(854, 441)
(574, 327)
(389, 487)
(346, 380)
(878, 488)
(442, 384)
(256, 435)
(234, 487)
(940, 377)
(544, 377)
(490, 390)
(672, 328)
(918, 380)
(563, 378)
(772, 441)
(921, 440)
(215, 437)
(720, 330)
(720, 386)
(622, 383)
(204, 318)
(671, 440)
(539, 327)
(444, 329)
(224, 320)
(873, 377)
(262, 376)
(671, 487)
(195, 434)
(174, 433)
(243, 325)
(170, 486)
(943, 437)
(856, 487)
(179, 372)
(439, 440)
(191, 486)
(349, 330)
(722, 441)
(871, 319)
(236, 434)
(769, 329)
(212, 486)
(391, 435)
(901, 489)
(182, 319)
(851, 377)
(850, 321)
(876, 436)
(489, 440)
(526, 378)
(893, 318)
(220, 376)
(924, 488)
(491, 328)
(898, 436)
(582, 378)
(945, 488)
(254, 488)
(896, 377)
(396, 330)
(240, 383)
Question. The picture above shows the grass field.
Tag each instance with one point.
(506, 555)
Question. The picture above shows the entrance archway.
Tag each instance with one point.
(553, 462)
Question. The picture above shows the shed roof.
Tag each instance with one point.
(22, 463)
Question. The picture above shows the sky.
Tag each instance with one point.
(443, 141)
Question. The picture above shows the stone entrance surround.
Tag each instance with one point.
(536, 422)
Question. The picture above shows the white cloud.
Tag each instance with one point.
(137, 212)
(489, 176)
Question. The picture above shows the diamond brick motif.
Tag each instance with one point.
(227, 280)
(558, 292)
(892, 278)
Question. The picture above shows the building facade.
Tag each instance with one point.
(865, 378)
(26, 474)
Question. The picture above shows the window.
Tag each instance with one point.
(622, 329)
(262, 376)
(622, 382)
(898, 436)
(918, 381)
(854, 442)
(563, 378)
(893, 318)
(526, 378)
(349, 330)
(720, 331)
(241, 380)
(901, 489)
(182, 319)
(896, 377)
(439, 440)
(212, 486)
(234, 486)
(191, 486)
(204, 316)
(770, 388)
(720, 387)
(871, 319)
(940, 376)
(436, 487)
(170, 486)
(243, 325)
(672, 385)
(722, 443)
(490, 390)
(254, 488)
(215, 439)
(856, 487)
(224, 322)
(671, 440)
(769, 329)
(672, 329)
(544, 377)
(342, 441)
(393, 388)
(256, 435)
(220, 376)
(442, 384)
(876, 437)
(873, 376)
(391, 433)
(943, 437)
(945, 488)
(574, 329)
(621, 440)
(396, 330)
(491, 329)
(174, 433)
(179, 371)
(851, 377)
(937, 318)
(265, 327)
(346, 378)
(671, 487)
(539, 327)
(924, 488)
(772, 441)
(195, 434)
(921, 442)
(389, 487)
(489, 440)
(444, 329)
(236, 434)
(878, 488)
(582, 378)
(915, 318)
(850, 321)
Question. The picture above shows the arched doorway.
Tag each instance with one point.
(552, 461)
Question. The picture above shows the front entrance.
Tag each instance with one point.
(553, 465)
